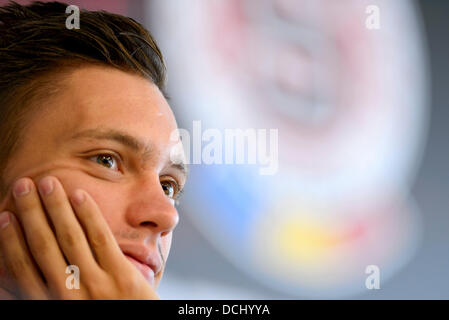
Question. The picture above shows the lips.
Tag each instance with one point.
(146, 271)
(147, 261)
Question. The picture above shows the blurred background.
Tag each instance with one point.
(358, 93)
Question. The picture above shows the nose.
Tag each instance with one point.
(150, 207)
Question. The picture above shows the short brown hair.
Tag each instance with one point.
(35, 43)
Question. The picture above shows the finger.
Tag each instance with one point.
(39, 235)
(69, 232)
(6, 279)
(100, 236)
(6, 295)
(18, 260)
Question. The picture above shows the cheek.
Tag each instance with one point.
(108, 196)
(166, 245)
(111, 205)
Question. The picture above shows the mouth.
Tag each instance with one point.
(146, 270)
(147, 259)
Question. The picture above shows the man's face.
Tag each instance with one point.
(108, 132)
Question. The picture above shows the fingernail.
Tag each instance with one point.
(46, 186)
(21, 188)
(78, 197)
(4, 219)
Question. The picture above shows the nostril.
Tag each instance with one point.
(163, 234)
(148, 223)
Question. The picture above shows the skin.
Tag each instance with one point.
(99, 113)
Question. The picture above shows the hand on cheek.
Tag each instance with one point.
(59, 231)
(7, 288)
(20, 270)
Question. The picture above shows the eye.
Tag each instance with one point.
(170, 188)
(106, 160)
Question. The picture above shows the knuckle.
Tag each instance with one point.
(17, 267)
(7, 236)
(28, 202)
(27, 205)
(99, 240)
(41, 244)
(69, 239)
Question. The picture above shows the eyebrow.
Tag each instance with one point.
(146, 150)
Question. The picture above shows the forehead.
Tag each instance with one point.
(106, 94)
(95, 96)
